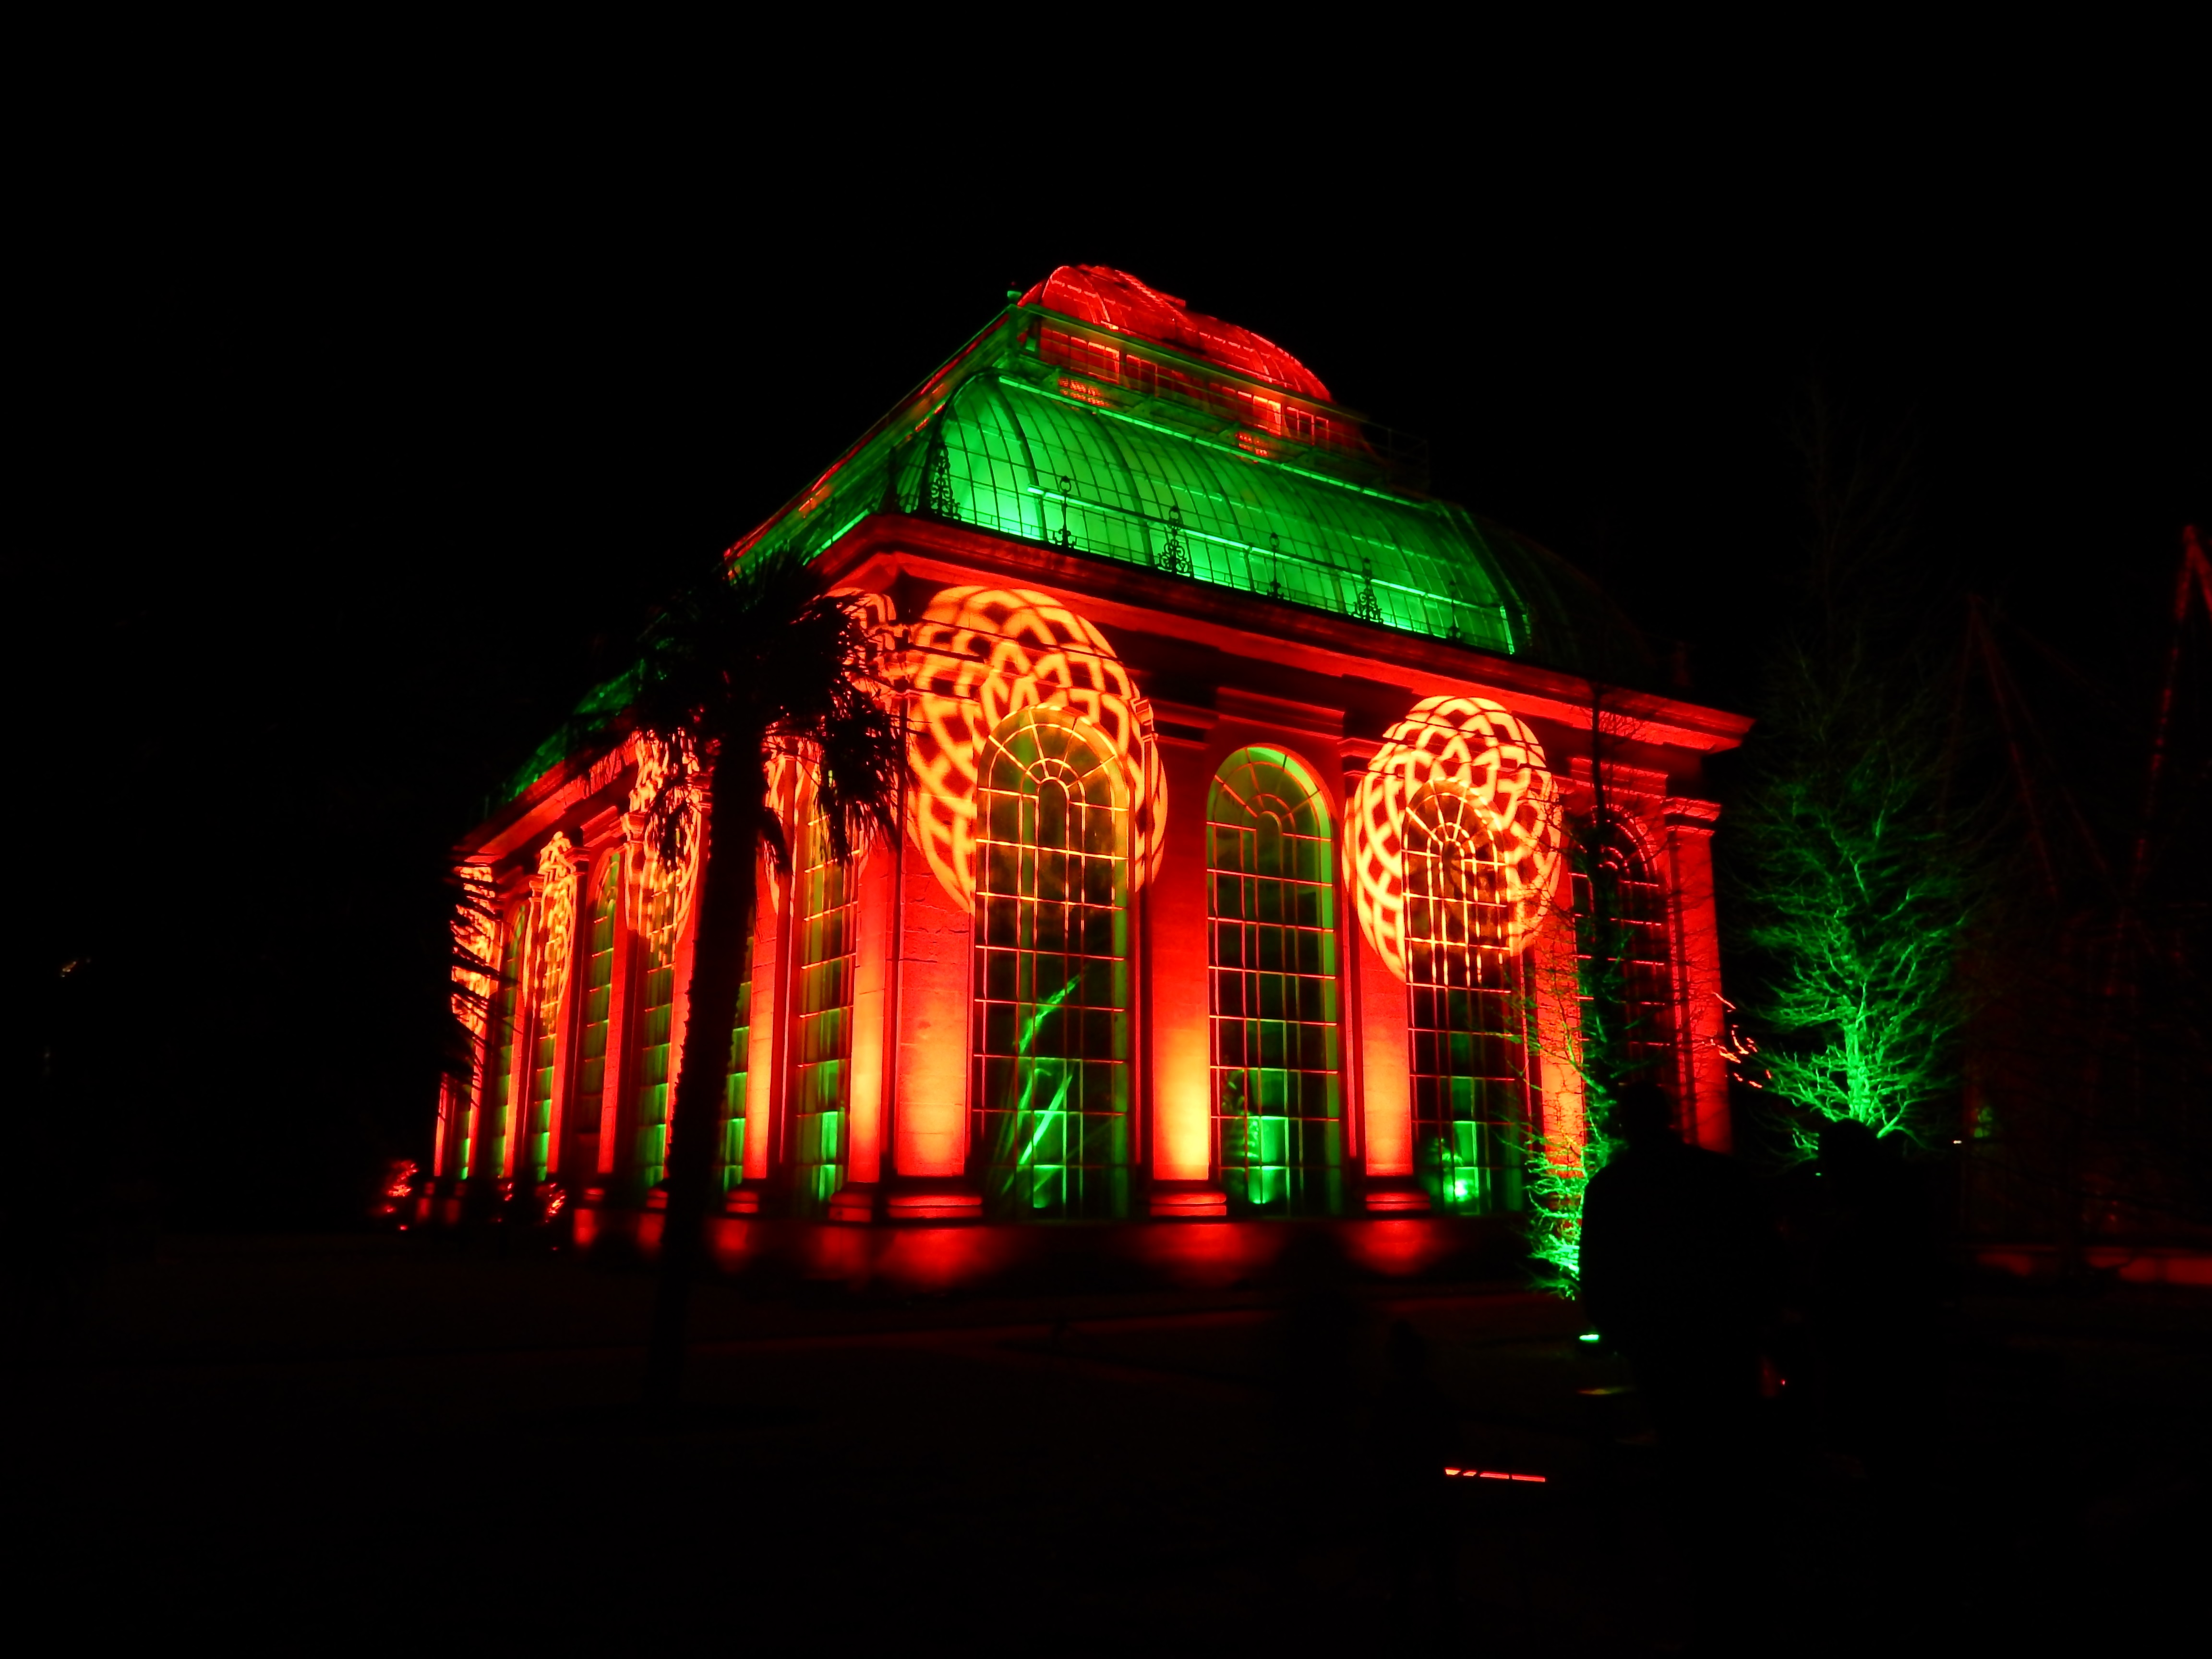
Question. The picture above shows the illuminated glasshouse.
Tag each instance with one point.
(1279, 840)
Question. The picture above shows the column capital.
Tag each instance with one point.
(1698, 817)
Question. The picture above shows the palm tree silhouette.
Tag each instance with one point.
(743, 671)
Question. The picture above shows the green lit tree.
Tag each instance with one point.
(1855, 873)
(741, 671)
(1859, 897)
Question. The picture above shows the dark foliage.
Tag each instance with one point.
(742, 673)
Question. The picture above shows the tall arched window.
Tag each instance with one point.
(1277, 1088)
(598, 994)
(731, 1160)
(1620, 947)
(533, 1156)
(1466, 1014)
(822, 1017)
(649, 1034)
(1050, 1088)
(498, 1044)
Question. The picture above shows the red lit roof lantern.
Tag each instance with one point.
(1106, 298)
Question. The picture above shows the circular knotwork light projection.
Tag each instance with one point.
(556, 923)
(659, 876)
(977, 655)
(1463, 773)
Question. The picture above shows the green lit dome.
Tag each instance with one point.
(1057, 429)
(1099, 417)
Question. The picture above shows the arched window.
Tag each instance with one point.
(1620, 947)
(649, 1034)
(1050, 1088)
(533, 1156)
(1277, 1088)
(1466, 1014)
(498, 1044)
(598, 994)
(731, 1159)
(822, 1017)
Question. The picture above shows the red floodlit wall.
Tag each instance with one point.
(930, 1117)
(870, 1007)
(1385, 1099)
(1558, 988)
(913, 996)
(1177, 962)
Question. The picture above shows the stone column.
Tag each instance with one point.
(931, 996)
(1179, 994)
(871, 961)
(1377, 1013)
(1701, 1018)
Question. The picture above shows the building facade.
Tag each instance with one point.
(1279, 840)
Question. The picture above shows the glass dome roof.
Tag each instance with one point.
(1204, 456)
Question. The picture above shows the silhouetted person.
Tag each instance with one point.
(1678, 1267)
(1413, 1442)
(1679, 1271)
(1872, 1285)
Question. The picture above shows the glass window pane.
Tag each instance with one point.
(1276, 1131)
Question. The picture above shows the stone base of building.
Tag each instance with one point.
(958, 1250)
(1189, 1201)
(1400, 1196)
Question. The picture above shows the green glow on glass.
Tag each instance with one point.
(1272, 959)
(1040, 1119)
(1331, 547)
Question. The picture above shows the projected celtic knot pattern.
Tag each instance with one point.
(652, 870)
(1480, 753)
(556, 923)
(977, 655)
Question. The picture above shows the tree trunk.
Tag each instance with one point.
(724, 898)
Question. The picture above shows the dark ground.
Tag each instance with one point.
(399, 1441)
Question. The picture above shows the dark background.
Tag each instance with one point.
(363, 451)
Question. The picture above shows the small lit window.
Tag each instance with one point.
(822, 1018)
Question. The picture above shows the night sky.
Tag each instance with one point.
(402, 454)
